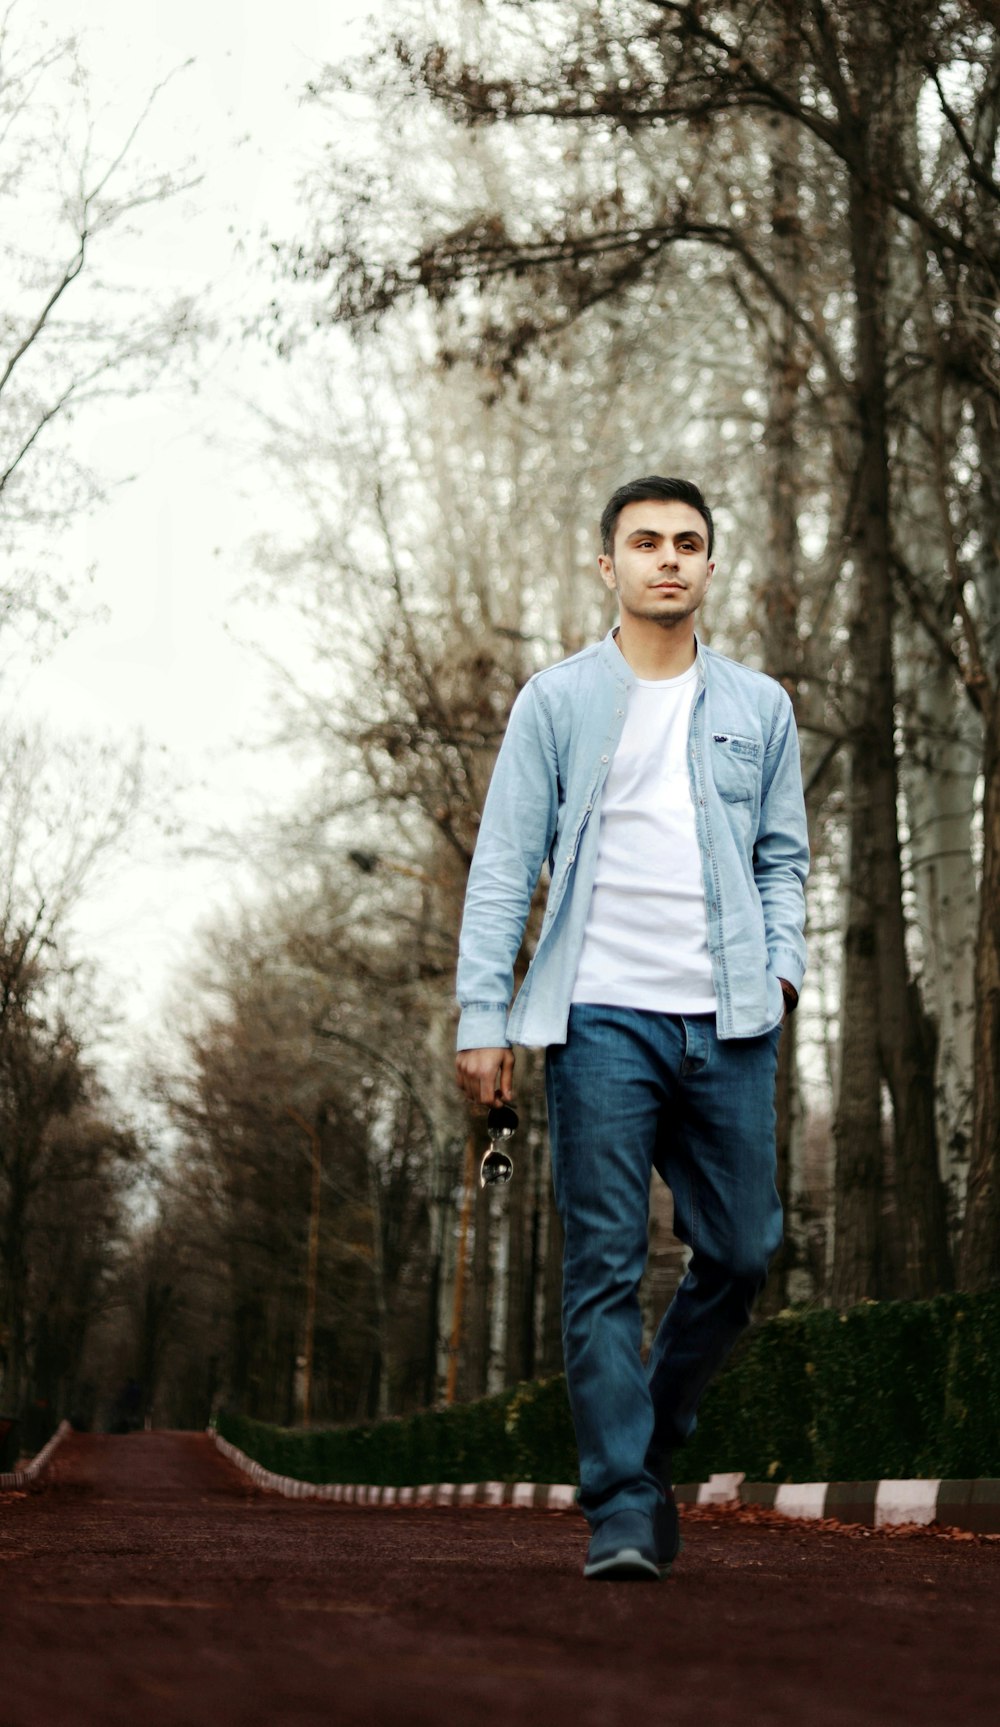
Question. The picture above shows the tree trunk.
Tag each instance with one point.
(980, 1255)
(518, 1263)
(780, 591)
(942, 732)
(496, 1376)
(857, 1122)
(379, 1292)
(857, 1127)
(551, 1342)
(875, 955)
(939, 769)
(476, 1349)
(14, 1312)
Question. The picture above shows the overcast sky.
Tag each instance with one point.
(171, 548)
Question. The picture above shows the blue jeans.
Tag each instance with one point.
(628, 1092)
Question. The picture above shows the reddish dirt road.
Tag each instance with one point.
(146, 1583)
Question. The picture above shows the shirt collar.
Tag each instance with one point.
(618, 665)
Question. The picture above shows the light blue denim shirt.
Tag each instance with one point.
(544, 803)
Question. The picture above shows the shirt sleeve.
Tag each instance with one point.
(781, 854)
(515, 836)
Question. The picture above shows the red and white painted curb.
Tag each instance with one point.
(973, 1505)
(16, 1478)
(532, 1495)
(970, 1505)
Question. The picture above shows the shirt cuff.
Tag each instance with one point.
(785, 962)
(483, 1025)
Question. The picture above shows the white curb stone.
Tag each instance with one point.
(801, 1498)
(905, 1502)
(720, 1489)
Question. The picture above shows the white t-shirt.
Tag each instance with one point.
(646, 940)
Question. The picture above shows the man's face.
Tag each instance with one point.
(660, 568)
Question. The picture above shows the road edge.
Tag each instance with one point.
(968, 1505)
(18, 1478)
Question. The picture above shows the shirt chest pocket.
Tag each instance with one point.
(735, 766)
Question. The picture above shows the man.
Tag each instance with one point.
(662, 783)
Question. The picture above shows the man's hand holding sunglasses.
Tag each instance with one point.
(486, 1075)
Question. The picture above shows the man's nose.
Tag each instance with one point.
(668, 557)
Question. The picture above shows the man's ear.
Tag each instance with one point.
(607, 570)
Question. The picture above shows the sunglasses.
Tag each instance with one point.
(496, 1167)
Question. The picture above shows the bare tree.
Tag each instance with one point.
(73, 332)
(65, 809)
(301, 1069)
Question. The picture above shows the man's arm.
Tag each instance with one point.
(781, 854)
(515, 834)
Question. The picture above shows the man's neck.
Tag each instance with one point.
(653, 652)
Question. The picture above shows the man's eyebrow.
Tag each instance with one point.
(655, 534)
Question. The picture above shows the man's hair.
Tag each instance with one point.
(653, 486)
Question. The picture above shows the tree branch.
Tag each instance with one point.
(925, 614)
(734, 82)
(979, 174)
(69, 275)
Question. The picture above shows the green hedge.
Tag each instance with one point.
(886, 1390)
(525, 1434)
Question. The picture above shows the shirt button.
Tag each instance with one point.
(621, 713)
(604, 758)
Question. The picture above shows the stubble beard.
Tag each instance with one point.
(665, 620)
(671, 623)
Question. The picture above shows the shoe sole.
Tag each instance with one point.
(665, 1564)
(627, 1565)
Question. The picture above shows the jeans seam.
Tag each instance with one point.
(693, 1202)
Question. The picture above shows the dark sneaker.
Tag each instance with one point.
(666, 1530)
(623, 1547)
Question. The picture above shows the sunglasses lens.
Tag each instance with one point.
(495, 1169)
(501, 1122)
